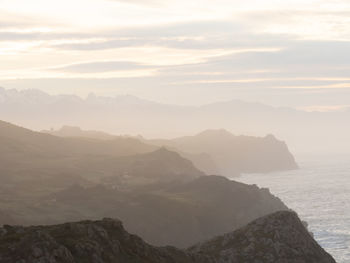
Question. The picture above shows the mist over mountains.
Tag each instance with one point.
(304, 132)
(158, 194)
(160, 188)
(212, 151)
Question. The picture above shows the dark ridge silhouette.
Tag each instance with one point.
(176, 213)
(216, 151)
(278, 238)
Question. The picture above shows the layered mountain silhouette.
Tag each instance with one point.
(278, 238)
(158, 193)
(216, 151)
(176, 213)
(236, 154)
(130, 115)
(71, 131)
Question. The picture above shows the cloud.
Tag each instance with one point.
(195, 35)
(303, 58)
(38, 36)
(142, 2)
(101, 66)
(233, 47)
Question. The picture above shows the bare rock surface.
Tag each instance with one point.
(279, 237)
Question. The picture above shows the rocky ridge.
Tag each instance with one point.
(279, 237)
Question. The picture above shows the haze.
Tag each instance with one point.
(281, 53)
(174, 131)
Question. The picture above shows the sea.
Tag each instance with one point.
(320, 193)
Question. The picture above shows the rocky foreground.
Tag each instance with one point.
(279, 237)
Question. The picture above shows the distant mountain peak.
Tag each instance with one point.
(215, 132)
(70, 128)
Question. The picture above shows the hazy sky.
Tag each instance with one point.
(288, 53)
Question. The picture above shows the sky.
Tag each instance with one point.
(289, 53)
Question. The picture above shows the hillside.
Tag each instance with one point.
(236, 154)
(44, 144)
(265, 240)
(215, 151)
(133, 116)
(52, 160)
(71, 131)
(201, 160)
(174, 213)
(159, 194)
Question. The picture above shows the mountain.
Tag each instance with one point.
(305, 132)
(201, 160)
(44, 144)
(71, 131)
(175, 213)
(43, 160)
(216, 151)
(34, 165)
(47, 179)
(236, 154)
(278, 238)
(154, 167)
(88, 158)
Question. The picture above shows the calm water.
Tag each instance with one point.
(320, 193)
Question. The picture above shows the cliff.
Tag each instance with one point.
(277, 238)
(235, 154)
(178, 214)
(280, 238)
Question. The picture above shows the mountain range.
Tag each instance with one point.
(214, 151)
(130, 115)
(47, 179)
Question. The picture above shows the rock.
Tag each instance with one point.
(278, 238)
(106, 241)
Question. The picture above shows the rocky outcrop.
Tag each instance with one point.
(278, 238)
(103, 241)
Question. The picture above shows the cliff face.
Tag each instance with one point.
(279, 237)
(103, 241)
(235, 154)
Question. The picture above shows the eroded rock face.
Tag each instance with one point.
(103, 241)
(279, 237)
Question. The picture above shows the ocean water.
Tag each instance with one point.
(320, 193)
